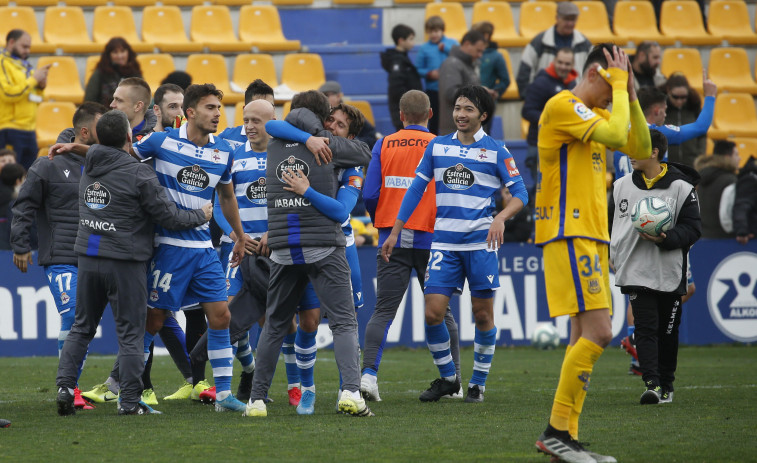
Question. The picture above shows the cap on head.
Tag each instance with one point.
(567, 9)
(330, 86)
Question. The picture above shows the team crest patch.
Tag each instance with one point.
(96, 196)
(228, 284)
(256, 191)
(512, 169)
(458, 177)
(583, 112)
(356, 181)
(154, 295)
(291, 163)
(193, 178)
(64, 298)
(594, 287)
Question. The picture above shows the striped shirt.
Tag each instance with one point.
(235, 136)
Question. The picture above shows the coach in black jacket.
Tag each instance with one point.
(745, 205)
(119, 198)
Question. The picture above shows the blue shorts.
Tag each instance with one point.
(309, 299)
(449, 269)
(234, 279)
(357, 280)
(62, 281)
(179, 278)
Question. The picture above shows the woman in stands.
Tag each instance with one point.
(117, 62)
(684, 106)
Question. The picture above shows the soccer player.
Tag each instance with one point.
(389, 175)
(571, 225)
(257, 90)
(185, 270)
(652, 269)
(50, 195)
(167, 107)
(468, 168)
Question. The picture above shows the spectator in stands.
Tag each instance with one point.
(7, 156)
(684, 107)
(180, 78)
(118, 61)
(558, 76)
(718, 171)
(11, 178)
(541, 51)
(492, 69)
(521, 226)
(646, 65)
(20, 93)
(333, 92)
(458, 70)
(431, 55)
(745, 203)
(403, 75)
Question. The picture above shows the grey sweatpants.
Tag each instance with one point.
(392, 279)
(124, 285)
(330, 277)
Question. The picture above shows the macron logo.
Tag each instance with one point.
(490, 278)
(66, 172)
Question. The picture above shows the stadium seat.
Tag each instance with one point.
(682, 20)
(136, 3)
(292, 2)
(501, 15)
(365, 108)
(735, 115)
(155, 67)
(22, 17)
(212, 26)
(211, 68)
(729, 68)
(52, 118)
(536, 17)
(248, 67)
(747, 148)
(453, 16)
(730, 19)
(524, 127)
(223, 121)
(163, 26)
(512, 90)
(593, 23)
(685, 60)
(260, 25)
(286, 108)
(65, 27)
(635, 20)
(63, 83)
(89, 68)
(303, 71)
(117, 21)
(239, 114)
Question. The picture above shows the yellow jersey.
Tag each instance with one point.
(571, 197)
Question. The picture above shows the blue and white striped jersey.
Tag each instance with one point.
(189, 174)
(350, 178)
(236, 136)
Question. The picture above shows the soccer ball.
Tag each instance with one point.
(651, 215)
(545, 336)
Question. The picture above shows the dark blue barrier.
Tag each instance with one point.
(723, 309)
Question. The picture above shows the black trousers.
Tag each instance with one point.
(657, 318)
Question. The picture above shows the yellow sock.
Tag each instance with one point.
(575, 376)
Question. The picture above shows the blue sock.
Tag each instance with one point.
(630, 331)
(293, 373)
(255, 336)
(148, 340)
(370, 371)
(483, 352)
(437, 338)
(221, 358)
(244, 354)
(305, 353)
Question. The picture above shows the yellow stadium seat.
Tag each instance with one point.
(512, 90)
(292, 2)
(63, 83)
(730, 19)
(286, 108)
(303, 71)
(747, 148)
(453, 16)
(524, 126)
(211, 68)
(223, 121)
(735, 115)
(52, 118)
(260, 26)
(636, 21)
(211, 26)
(117, 21)
(501, 16)
(89, 68)
(239, 114)
(22, 17)
(729, 68)
(163, 26)
(365, 108)
(593, 23)
(536, 17)
(682, 20)
(65, 27)
(135, 3)
(248, 67)
(685, 60)
(155, 67)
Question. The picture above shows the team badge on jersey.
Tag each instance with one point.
(64, 298)
(96, 196)
(154, 295)
(583, 112)
(623, 208)
(458, 177)
(256, 191)
(291, 163)
(193, 178)
(594, 286)
(356, 181)
(512, 169)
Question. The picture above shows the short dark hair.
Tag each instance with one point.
(401, 31)
(113, 128)
(256, 87)
(434, 23)
(415, 104)
(10, 173)
(315, 101)
(484, 27)
(480, 98)
(14, 34)
(660, 142)
(723, 147)
(354, 116)
(597, 55)
(7, 152)
(472, 36)
(86, 113)
(180, 78)
(196, 92)
(144, 93)
(650, 96)
(645, 46)
(163, 89)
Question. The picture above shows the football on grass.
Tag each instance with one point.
(545, 336)
(651, 215)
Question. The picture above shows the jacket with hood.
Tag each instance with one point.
(745, 205)
(119, 199)
(546, 85)
(457, 70)
(19, 93)
(641, 264)
(403, 76)
(493, 70)
(717, 173)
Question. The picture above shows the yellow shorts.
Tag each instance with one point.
(577, 276)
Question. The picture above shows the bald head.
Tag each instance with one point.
(256, 113)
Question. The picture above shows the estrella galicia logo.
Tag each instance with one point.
(193, 178)
(291, 163)
(732, 296)
(256, 191)
(96, 196)
(458, 177)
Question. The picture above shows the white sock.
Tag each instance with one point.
(222, 395)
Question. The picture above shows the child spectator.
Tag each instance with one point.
(430, 56)
(403, 75)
